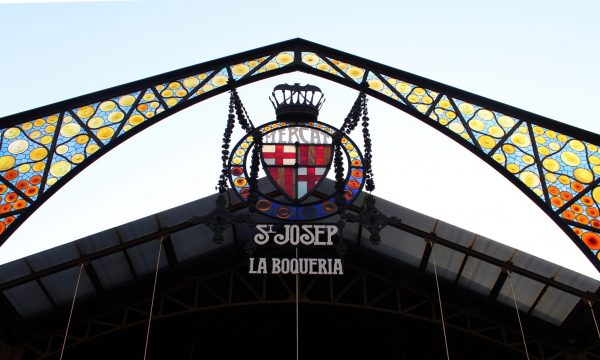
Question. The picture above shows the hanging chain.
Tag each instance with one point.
(222, 185)
(351, 120)
(241, 113)
(370, 184)
(254, 167)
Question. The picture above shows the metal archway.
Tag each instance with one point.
(555, 164)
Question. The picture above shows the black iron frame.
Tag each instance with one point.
(298, 46)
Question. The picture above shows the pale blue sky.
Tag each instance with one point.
(541, 56)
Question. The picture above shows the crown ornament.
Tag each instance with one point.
(297, 102)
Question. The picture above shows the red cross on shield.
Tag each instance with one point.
(296, 169)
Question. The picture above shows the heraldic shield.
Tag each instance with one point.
(297, 169)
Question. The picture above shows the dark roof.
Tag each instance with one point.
(42, 283)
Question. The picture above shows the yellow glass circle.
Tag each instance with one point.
(543, 150)
(576, 145)
(116, 117)
(486, 142)
(466, 108)
(167, 93)
(506, 121)
(24, 168)
(403, 87)
(11, 133)
(95, 122)
(561, 138)
(419, 91)
(172, 102)
(355, 72)
(509, 149)
(126, 100)
(38, 154)
(540, 139)
(27, 126)
(457, 127)
(551, 165)
(570, 158)
(6, 162)
(82, 139)
(520, 140)
(465, 136)
(18, 146)
(284, 58)
(149, 96)
(444, 104)
(376, 84)
(136, 119)
(485, 114)
(594, 160)
(551, 134)
(596, 194)
(253, 63)
(77, 158)
(477, 125)
(61, 149)
(450, 115)
(46, 140)
(513, 168)
(85, 112)
(70, 130)
(35, 134)
(592, 147)
(181, 92)
(496, 131)
(554, 146)
(39, 122)
(499, 158)
(174, 85)
(236, 160)
(422, 108)
(528, 159)
(51, 181)
(530, 179)
(273, 66)
(219, 80)
(550, 177)
(538, 130)
(240, 69)
(52, 119)
(50, 129)
(412, 98)
(353, 154)
(563, 179)
(39, 166)
(90, 149)
(310, 59)
(191, 82)
(60, 168)
(107, 106)
(105, 133)
(583, 175)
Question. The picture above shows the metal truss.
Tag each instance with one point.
(234, 287)
(556, 165)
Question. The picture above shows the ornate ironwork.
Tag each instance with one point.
(556, 165)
